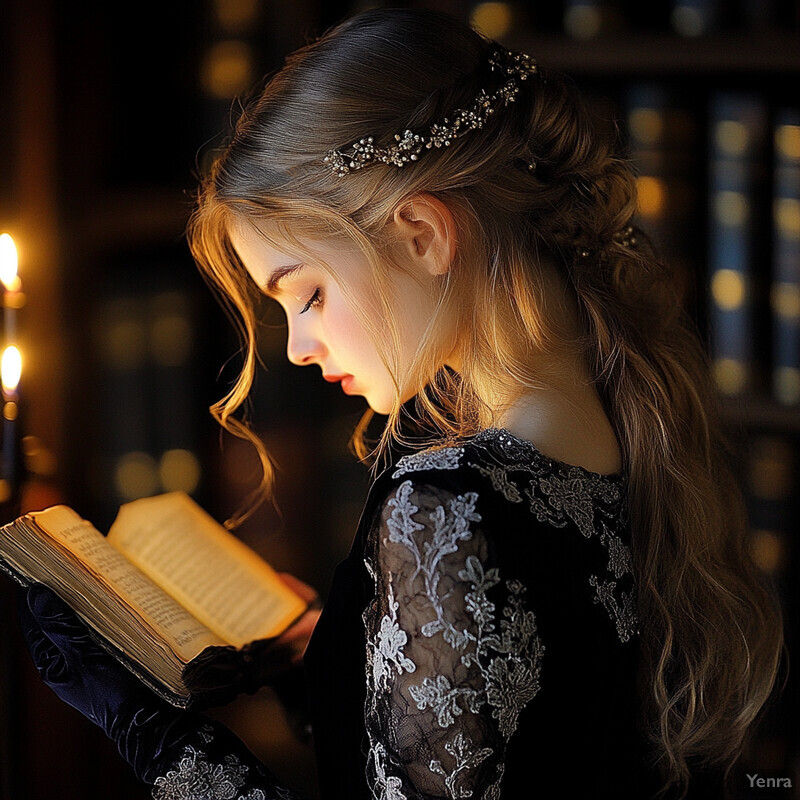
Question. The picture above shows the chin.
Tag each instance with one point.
(380, 408)
(380, 405)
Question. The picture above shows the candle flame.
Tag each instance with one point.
(8, 261)
(11, 368)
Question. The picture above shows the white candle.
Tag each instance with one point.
(13, 298)
(10, 371)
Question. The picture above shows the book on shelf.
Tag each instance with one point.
(585, 19)
(771, 472)
(771, 475)
(785, 290)
(738, 265)
(144, 338)
(171, 336)
(662, 140)
(180, 601)
(692, 18)
(121, 402)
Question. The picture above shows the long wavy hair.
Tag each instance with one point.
(712, 632)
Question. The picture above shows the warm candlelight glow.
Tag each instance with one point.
(8, 262)
(11, 368)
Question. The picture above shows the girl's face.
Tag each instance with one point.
(323, 329)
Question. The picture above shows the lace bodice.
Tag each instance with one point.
(482, 630)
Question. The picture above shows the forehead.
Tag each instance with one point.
(263, 258)
(259, 256)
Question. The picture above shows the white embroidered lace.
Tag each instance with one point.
(557, 493)
(197, 777)
(453, 653)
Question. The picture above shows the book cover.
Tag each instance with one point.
(738, 263)
(174, 405)
(785, 290)
(771, 474)
(663, 145)
(122, 401)
(692, 18)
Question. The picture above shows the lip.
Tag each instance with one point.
(347, 381)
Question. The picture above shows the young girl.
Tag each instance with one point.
(551, 591)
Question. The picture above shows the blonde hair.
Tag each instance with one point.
(712, 629)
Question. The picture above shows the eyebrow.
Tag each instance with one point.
(271, 286)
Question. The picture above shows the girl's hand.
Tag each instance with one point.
(293, 641)
(71, 663)
(149, 733)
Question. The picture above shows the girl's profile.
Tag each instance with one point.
(549, 589)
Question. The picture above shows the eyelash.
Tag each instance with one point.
(315, 300)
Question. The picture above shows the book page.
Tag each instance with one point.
(184, 633)
(216, 576)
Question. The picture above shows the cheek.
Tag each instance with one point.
(337, 323)
(343, 332)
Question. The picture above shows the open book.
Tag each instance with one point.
(183, 603)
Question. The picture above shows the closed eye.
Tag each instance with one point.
(315, 300)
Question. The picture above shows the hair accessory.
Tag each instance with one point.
(409, 145)
(626, 237)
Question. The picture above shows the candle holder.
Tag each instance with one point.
(11, 459)
(12, 467)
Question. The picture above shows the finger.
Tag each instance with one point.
(44, 603)
(296, 638)
(47, 658)
(302, 628)
(308, 593)
(31, 630)
(57, 620)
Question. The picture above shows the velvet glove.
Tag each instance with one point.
(148, 731)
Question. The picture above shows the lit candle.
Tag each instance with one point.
(10, 373)
(13, 297)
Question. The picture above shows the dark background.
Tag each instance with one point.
(107, 112)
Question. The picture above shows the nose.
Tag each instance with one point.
(303, 347)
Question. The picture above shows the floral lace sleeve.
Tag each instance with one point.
(214, 764)
(453, 651)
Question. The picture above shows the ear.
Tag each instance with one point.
(426, 230)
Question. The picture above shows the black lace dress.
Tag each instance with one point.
(480, 640)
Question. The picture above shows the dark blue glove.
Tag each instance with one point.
(148, 731)
(77, 669)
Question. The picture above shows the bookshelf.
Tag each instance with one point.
(762, 413)
(665, 55)
(705, 120)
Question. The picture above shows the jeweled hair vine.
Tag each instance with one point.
(409, 146)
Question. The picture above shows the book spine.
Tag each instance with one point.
(173, 408)
(695, 17)
(585, 19)
(759, 15)
(738, 125)
(662, 137)
(646, 122)
(771, 468)
(771, 473)
(125, 446)
(785, 290)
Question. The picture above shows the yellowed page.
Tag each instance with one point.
(184, 633)
(216, 576)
